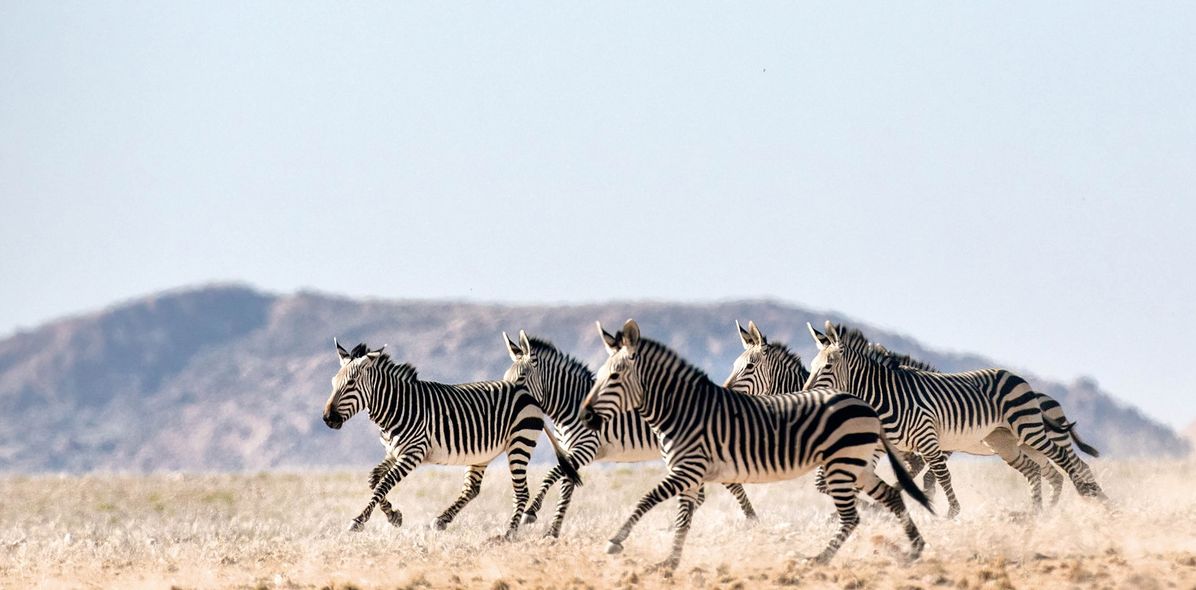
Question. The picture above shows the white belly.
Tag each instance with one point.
(440, 456)
(622, 454)
(728, 473)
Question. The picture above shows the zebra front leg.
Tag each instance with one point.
(685, 511)
(399, 469)
(473, 485)
(558, 519)
(916, 464)
(393, 516)
(744, 503)
(582, 452)
(550, 480)
(672, 485)
(938, 466)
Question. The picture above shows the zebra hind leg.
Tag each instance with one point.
(517, 459)
(529, 516)
(841, 483)
(888, 496)
(744, 503)
(473, 485)
(1055, 478)
(1006, 445)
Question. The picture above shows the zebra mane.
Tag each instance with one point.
(404, 371)
(647, 344)
(544, 346)
(784, 350)
(788, 355)
(904, 361)
(854, 339)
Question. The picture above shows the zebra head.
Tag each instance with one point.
(752, 372)
(351, 384)
(829, 367)
(617, 387)
(525, 366)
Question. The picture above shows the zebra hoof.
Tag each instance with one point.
(953, 511)
(440, 524)
(613, 548)
(395, 519)
(552, 535)
(529, 518)
(356, 527)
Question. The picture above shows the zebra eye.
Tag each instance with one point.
(750, 366)
(614, 375)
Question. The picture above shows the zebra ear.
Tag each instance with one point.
(819, 338)
(524, 343)
(512, 348)
(744, 336)
(631, 336)
(832, 331)
(755, 332)
(341, 352)
(372, 355)
(612, 343)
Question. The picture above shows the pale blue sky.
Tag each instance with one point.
(1014, 179)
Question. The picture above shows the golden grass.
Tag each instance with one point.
(287, 530)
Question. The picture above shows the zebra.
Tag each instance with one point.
(766, 368)
(559, 382)
(929, 412)
(711, 434)
(426, 422)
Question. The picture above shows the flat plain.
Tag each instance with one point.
(288, 530)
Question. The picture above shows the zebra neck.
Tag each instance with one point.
(394, 402)
(790, 378)
(565, 387)
(861, 381)
(668, 395)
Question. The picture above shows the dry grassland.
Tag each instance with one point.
(287, 530)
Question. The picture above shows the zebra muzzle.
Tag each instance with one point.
(590, 419)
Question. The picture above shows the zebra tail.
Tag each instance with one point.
(564, 461)
(903, 476)
(1070, 428)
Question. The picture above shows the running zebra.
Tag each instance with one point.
(927, 412)
(766, 368)
(559, 382)
(426, 422)
(711, 434)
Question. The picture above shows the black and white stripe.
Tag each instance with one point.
(930, 413)
(766, 368)
(711, 434)
(559, 382)
(426, 422)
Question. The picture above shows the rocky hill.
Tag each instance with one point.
(230, 378)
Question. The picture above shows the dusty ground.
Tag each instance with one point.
(287, 530)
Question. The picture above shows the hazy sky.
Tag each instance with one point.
(1009, 178)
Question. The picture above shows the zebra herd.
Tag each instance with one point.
(771, 420)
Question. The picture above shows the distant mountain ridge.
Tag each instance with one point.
(226, 377)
